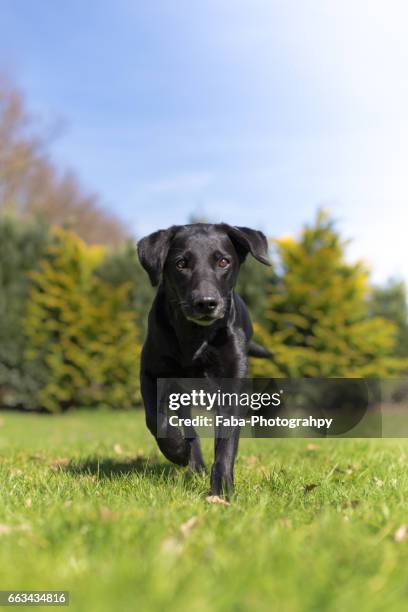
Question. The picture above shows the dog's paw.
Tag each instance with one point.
(216, 499)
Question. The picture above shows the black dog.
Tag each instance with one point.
(198, 325)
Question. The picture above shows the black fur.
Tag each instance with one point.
(198, 326)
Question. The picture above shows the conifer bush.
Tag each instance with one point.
(318, 318)
(22, 247)
(81, 334)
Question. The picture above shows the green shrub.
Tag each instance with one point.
(390, 301)
(22, 246)
(81, 334)
(318, 316)
(122, 266)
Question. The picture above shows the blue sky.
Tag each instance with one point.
(253, 112)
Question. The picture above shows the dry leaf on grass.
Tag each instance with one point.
(139, 454)
(88, 477)
(37, 457)
(251, 460)
(313, 447)
(188, 526)
(59, 462)
(350, 469)
(309, 487)
(16, 472)
(118, 449)
(28, 502)
(215, 499)
(401, 533)
(353, 503)
(172, 546)
(107, 515)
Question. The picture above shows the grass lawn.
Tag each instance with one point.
(88, 505)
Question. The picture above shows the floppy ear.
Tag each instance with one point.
(152, 251)
(246, 241)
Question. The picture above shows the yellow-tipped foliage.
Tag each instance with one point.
(317, 319)
(81, 332)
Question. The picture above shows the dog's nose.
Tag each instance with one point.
(205, 305)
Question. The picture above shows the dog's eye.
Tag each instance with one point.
(223, 262)
(181, 263)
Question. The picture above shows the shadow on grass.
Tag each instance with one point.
(106, 467)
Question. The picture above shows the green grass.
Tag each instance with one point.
(88, 505)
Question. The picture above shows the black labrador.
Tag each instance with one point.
(198, 326)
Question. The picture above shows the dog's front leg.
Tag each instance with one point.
(175, 447)
(227, 437)
(196, 461)
(222, 472)
(225, 450)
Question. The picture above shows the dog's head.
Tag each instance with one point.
(199, 264)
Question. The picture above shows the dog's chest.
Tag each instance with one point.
(198, 359)
(207, 358)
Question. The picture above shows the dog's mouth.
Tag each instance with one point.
(203, 320)
(200, 317)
